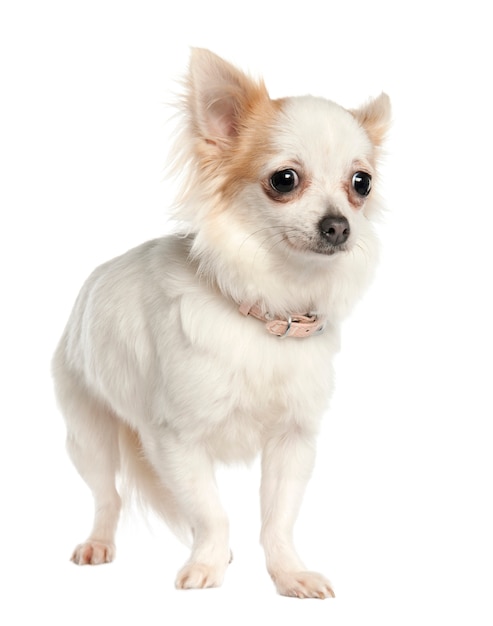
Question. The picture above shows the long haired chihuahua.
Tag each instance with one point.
(214, 344)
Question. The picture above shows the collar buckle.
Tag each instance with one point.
(295, 326)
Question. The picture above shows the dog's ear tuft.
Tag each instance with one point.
(375, 117)
(219, 95)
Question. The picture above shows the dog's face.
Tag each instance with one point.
(298, 173)
(313, 181)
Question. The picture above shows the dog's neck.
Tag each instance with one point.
(279, 287)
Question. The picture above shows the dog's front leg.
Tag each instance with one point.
(200, 499)
(187, 471)
(287, 463)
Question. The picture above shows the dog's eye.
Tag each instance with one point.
(284, 181)
(362, 183)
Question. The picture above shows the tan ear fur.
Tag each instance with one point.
(219, 95)
(375, 117)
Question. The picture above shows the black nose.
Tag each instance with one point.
(335, 230)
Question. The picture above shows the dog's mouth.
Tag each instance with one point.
(317, 245)
(330, 250)
(333, 250)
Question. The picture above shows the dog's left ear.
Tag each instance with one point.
(375, 118)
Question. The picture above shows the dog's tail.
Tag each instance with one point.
(141, 484)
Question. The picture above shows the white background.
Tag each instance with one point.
(398, 513)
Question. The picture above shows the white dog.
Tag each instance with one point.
(215, 344)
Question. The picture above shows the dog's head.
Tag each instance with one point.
(300, 172)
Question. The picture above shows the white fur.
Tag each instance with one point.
(159, 376)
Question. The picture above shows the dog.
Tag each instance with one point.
(215, 344)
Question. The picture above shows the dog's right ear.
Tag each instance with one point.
(219, 96)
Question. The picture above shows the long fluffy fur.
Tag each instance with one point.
(159, 376)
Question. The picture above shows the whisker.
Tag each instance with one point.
(256, 232)
(268, 236)
(275, 239)
(364, 249)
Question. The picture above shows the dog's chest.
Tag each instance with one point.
(243, 388)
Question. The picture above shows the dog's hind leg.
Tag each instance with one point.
(92, 443)
(96, 459)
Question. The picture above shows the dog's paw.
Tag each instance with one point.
(303, 585)
(93, 553)
(199, 576)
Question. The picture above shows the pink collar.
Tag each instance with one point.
(294, 326)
